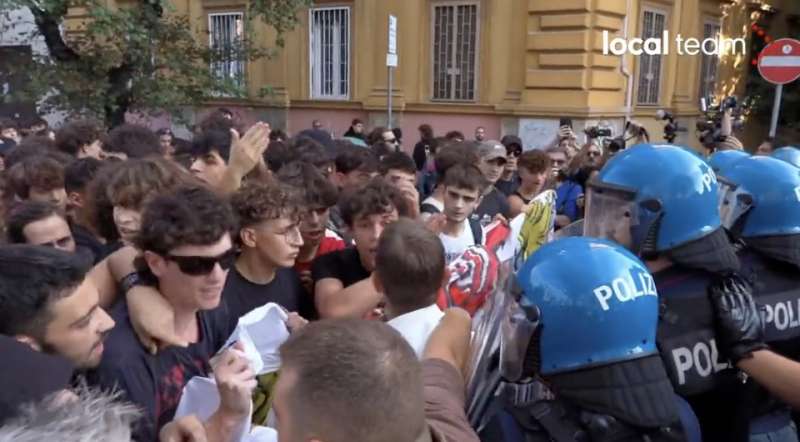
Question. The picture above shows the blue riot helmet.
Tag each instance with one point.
(598, 303)
(653, 198)
(789, 154)
(721, 159)
(773, 189)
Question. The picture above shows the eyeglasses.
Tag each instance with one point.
(593, 154)
(514, 152)
(391, 140)
(290, 234)
(203, 265)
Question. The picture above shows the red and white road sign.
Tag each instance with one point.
(779, 62)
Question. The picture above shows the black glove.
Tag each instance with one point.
(739, 330)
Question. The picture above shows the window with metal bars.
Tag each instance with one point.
(710, 63)
(653, 25)
(455, 51)
(226, 35)
(330, 53)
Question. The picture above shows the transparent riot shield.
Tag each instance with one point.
(573, 229)
(501, 332)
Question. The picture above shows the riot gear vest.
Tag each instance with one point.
(690, 355)
(776, 290)
(625, 401)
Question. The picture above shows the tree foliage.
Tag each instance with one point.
(763, 92)
(138, 55)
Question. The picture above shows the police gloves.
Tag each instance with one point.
(739, 330)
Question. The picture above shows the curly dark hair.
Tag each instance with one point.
(133, 140)
(80, 173)
(39, 172)
(76, 134)
(191, 215)
(99, 208)
(258, 201)
(378, 197)
(316, 189)
(137, 180)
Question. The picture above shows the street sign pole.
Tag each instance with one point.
(391, 63)
(389, 99)
(776, 111)
(779, 64)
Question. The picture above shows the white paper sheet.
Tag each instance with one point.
(261, 333)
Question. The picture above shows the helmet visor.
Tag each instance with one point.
(611, 213)
(734, 202)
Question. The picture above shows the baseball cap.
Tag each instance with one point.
(510, 140)
(492, 149)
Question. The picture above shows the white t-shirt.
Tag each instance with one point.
(435, 203)
(417, 326)
(454, 246)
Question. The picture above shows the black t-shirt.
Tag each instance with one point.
(241, 296)
(344, 265)
(507, 188)
(84, 239)
(155, 383)
(493, 203)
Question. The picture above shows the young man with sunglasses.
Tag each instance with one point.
(186, 247)
(510, 181)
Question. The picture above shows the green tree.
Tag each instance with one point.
(141, 56)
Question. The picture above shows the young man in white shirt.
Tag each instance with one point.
(463, 186)
(409, 270)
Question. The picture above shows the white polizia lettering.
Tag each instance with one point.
(624, 289)
(703, 358)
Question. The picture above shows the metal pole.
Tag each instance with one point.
(389, 99)
(776, 111)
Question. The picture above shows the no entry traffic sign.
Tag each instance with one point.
(779, 62)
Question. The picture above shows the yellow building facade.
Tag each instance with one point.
(510, 66)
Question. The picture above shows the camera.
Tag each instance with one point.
(672, 128)
(597, 132)
(709, 126)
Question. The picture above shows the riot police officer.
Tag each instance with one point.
(661, 202)
(591, 370)
(760, 205)
(723, 158)
(789, 154)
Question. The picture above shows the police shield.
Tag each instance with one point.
(501, 331)
(574, 229)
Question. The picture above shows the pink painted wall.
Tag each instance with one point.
(335, 121)
(443, 123)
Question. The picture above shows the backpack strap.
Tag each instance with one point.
(477, 231)
(428, 208)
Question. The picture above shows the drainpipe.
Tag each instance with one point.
(625, 69)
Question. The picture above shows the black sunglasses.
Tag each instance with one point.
(203, 265)
(514, 152)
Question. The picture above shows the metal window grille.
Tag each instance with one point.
(653, 25)
(710, 63)
(330, 53)
(455, 41)
(226, 35)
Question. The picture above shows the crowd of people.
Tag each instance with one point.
(130, 255)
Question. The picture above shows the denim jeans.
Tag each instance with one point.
(785, 434)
